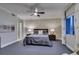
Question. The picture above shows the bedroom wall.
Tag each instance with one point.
(70, 39)
(45, 23)
(8, 37)
(58, 32)
(77, 25)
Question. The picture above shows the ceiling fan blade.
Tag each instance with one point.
(38, 15)
(41, 12)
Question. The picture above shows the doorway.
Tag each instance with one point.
(19, 30)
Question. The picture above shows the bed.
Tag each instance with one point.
(42, 40)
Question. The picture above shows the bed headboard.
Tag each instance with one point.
(44, 31)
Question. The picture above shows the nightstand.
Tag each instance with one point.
(52, 37)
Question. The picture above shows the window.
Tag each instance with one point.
(70, 25)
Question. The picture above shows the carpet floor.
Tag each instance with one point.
(19, 49)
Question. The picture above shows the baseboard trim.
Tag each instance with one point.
(70, 48)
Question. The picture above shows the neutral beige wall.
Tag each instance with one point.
(73, 41)
(46, 23)
(77, 25)
(70, 39)
(8, 37)
(58, 32)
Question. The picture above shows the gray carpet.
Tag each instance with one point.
(19, 49)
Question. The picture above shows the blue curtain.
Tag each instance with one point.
(70, 25)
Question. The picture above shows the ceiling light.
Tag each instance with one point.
(52, 30)
(29, 30)
(36, 10)
(35, 14)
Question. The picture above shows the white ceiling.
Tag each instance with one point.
(53, 10)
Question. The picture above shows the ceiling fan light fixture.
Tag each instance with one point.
(36, 10)
(35, 14)
(38, 15)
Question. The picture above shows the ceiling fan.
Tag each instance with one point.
(34, 9)
(36, 12)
